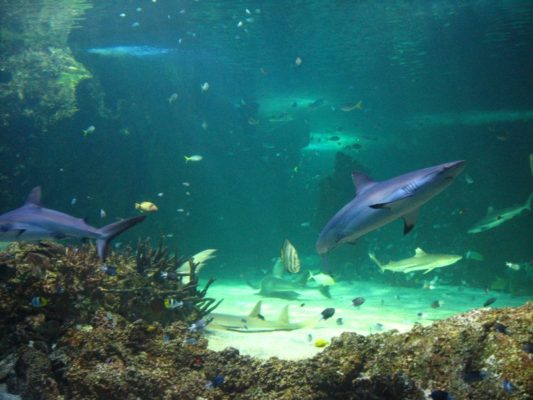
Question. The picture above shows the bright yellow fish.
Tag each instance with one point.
(146, 206)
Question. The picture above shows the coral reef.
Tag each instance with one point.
(92, 335)
(39, 73)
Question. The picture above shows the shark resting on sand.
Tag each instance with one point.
(255, 322)
(378, 203)
(33, 222)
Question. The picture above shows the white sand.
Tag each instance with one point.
(393, 307)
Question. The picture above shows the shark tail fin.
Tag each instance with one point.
(111, 231)
(529, 201)
(373, 258)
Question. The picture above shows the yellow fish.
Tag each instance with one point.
(146, 206)
(321, 342)
(322, 279)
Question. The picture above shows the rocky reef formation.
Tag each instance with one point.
(38, 73)
(92, 335)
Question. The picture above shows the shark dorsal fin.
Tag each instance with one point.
(419, 252)
(361, 181)
(256, 311)
(284, 315)
(34, 197)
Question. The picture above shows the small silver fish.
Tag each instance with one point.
(289, 257)
(103, 214)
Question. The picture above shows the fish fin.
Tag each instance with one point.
(34, 197)
(361, 181)
(427, 270)
(409, 221)
(284, 316)
(419, 252)
(529, 201)
(256, 311)
(324, 291)
(109, 232)
(21, 231)
(378, 263)
(58, 235)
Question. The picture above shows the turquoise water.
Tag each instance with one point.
(435, 82)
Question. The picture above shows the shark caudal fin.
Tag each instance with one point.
(373, 258)
(111, 231)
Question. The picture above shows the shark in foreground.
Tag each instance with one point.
(34, 222)
(421, 261)
(495, 218)
(255, 322)
(378, 203)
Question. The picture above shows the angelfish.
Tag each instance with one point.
(378, 203)
(289, 257)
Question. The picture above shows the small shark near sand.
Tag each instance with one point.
(495, 218)
(33, 222)
(255, 322)
(378, 203)
(421, 261)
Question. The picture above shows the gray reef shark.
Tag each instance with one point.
(378, 203)
(33, 222)
(495, 218)
(421, 261)
(256, 322)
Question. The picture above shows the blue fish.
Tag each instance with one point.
(110, 270)
(378, 203)
(38, 302)
(34, 222)
(508, 386)
(130, 51)
(441, 395)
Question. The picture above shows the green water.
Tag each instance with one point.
(437, 81)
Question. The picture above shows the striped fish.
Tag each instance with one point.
(289, 257)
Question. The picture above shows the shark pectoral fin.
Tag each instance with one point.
(58, 235)
(409, 221)
(427, 270)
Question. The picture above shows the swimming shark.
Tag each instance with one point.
(378, 203)
(495, 218)
(34, 222)
(421, 261)
(254, 322)
(129, 51)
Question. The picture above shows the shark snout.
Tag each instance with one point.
(454, 168)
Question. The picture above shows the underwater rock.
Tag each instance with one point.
(40, 73)
(101, 337)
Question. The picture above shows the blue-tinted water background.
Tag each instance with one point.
(437, 81)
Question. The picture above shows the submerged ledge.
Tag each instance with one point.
(484, 353)
(87, 335)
